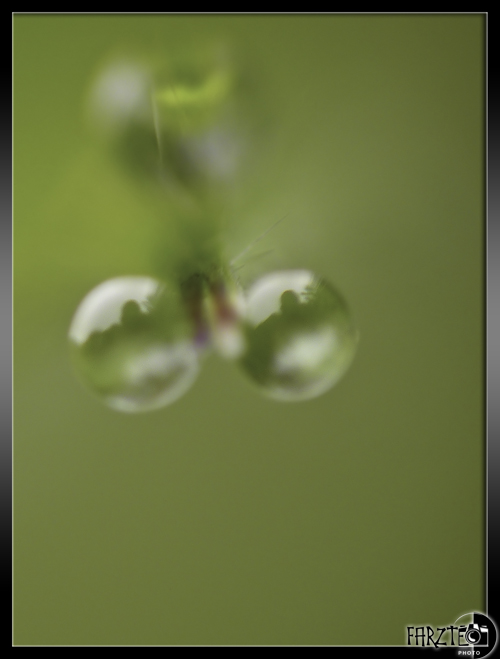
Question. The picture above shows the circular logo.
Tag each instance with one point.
(478, 633)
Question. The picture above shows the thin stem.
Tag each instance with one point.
(254, 242)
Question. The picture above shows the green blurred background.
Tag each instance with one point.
(227, 518)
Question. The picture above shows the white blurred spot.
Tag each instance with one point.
(217, 151)
(121, 93)
(229, 341)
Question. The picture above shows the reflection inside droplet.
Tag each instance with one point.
(132, 344)
(300, 339)
(306, 351)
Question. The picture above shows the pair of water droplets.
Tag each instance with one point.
(138, 342)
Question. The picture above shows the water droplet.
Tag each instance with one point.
(300, 339)
(132, 344)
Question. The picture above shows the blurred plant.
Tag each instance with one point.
(137, 342)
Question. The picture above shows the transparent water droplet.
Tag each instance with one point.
(300, 338)
(132, 344)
